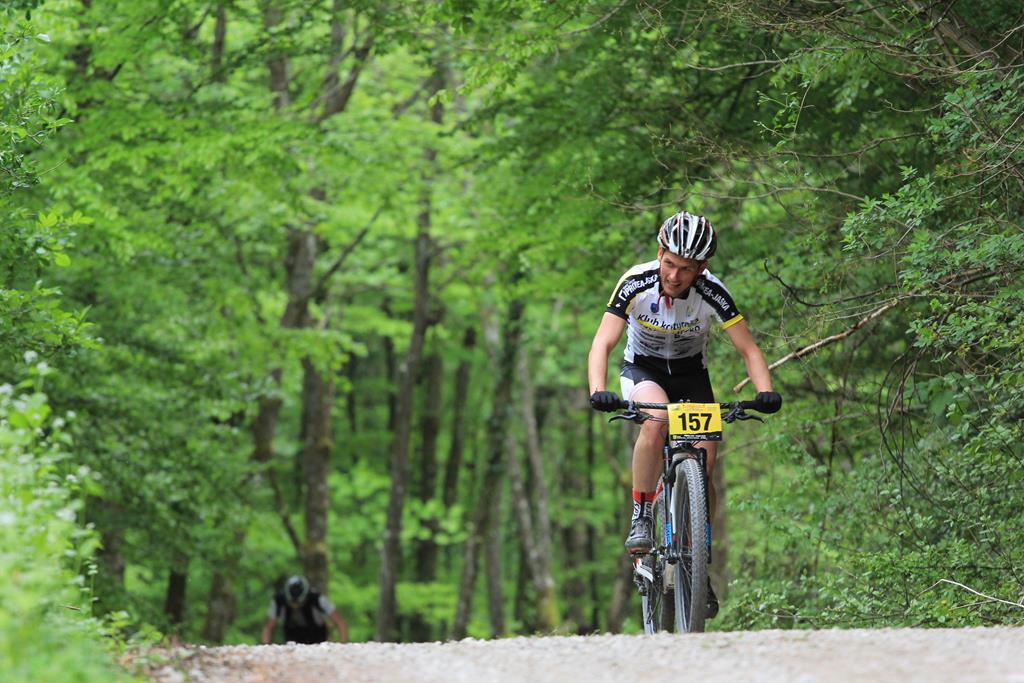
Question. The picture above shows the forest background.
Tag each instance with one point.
(309, 287)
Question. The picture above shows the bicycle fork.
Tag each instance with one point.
(674, 454)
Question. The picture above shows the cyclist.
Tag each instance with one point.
(667, 307)
(304, 612)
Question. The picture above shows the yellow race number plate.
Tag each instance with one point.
(695, 421)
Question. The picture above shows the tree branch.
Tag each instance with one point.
(822, 343)
(615, 10)
(336, 95)
(282, 510)
(979, 594)
(321, 283)
(962, 279)
(240, 259)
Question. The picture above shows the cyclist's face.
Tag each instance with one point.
(678, 273)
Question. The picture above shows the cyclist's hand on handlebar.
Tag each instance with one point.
(766, 401)
(605, 401)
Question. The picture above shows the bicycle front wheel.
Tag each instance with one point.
(689, 539)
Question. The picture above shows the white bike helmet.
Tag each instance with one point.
(296, 589)
(689, 236)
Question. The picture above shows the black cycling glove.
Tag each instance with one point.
(605, 401)
(768, 401)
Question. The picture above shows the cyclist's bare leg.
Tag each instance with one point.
(646, 468)
(648, 447)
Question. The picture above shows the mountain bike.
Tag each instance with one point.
(673, 577)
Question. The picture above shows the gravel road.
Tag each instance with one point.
(989, 655)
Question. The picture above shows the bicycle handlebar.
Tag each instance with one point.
(734, 410)
(633, 405)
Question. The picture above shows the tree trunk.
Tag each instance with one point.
(622, 595)
(220, 607)
(523, 582)
(467, 577)
(220, 31)
(351, 408)
(622, 590)
(391, 370)
(492, 570)
(110, 579)
(536, 529)
(174, 601)
(595, 588)
(318, 399)
(426, 550)
(430, 426)
(575, 528)
(277, 64)
(496, 427)
(408, 372)
(460, 395)
(524, 520)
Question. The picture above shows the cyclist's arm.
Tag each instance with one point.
(757, 366)
(268, 630)
(340, 624)
(607, 336)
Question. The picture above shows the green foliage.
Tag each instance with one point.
(45, 552)
(851, 164)
(46, 632)
(35, 319)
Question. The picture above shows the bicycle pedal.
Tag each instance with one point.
(642, 569)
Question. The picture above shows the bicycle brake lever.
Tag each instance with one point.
(632, 416)
(739, 414)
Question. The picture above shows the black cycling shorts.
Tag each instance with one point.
(693, 385)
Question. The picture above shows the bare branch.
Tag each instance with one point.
(615, 10)
(191, 32)
(961, 279)
(822, 343)
(321, 284)
(989, 598)
(282, 510)
(336, 94)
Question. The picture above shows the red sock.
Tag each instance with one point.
(643, 503)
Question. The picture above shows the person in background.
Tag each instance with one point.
(304, 613)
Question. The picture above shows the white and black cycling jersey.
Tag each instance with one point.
(665, 333)
(314, 607)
